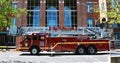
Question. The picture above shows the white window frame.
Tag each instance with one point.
(88, 7)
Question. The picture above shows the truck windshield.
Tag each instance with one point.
(26, 38)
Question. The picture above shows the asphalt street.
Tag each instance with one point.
(24, 57)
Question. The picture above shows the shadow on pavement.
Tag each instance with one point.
(44, 54)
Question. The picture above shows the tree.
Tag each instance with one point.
(114, 12)
(7, 12)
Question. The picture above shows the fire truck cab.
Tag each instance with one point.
(79, 44)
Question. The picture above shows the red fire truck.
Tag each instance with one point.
(70, 39)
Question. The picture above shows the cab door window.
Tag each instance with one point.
(41, 37)
(34, 38)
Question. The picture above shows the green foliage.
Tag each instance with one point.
(7, 12)
(114, 12)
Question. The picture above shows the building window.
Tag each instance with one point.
(102, 6)
(36, 16)
(96, 22)
(113, 3)
(96, 7)
(33, 17)
(13, 27)
(11, 40)
(15, 5)
(90, 22)
(52, 19)
(50, 3)
(52, 12)
(70, 13)
(89, 7)
(67, 17)
(117, 36)
(3, 38)
(115, 25)
(117, 39)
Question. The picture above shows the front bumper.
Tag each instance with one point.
(23, 48)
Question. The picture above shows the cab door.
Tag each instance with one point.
(42, 38)
(42, 41)
(34, 40)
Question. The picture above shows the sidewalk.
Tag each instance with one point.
(7, 48)
(4, 50)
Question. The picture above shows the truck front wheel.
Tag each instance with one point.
(34, 51)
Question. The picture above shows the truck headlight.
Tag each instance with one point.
(26, 44)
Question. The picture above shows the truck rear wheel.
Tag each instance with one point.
(91, 50)
(34, 51)
(81, 50)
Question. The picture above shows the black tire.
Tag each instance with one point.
(34, 51)
(91, 50)
(81, 50)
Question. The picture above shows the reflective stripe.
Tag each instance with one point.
(58, 43)
(74, 43)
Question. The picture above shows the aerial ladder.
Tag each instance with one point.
(92, 32)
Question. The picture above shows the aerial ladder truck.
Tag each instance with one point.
(80, 40)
